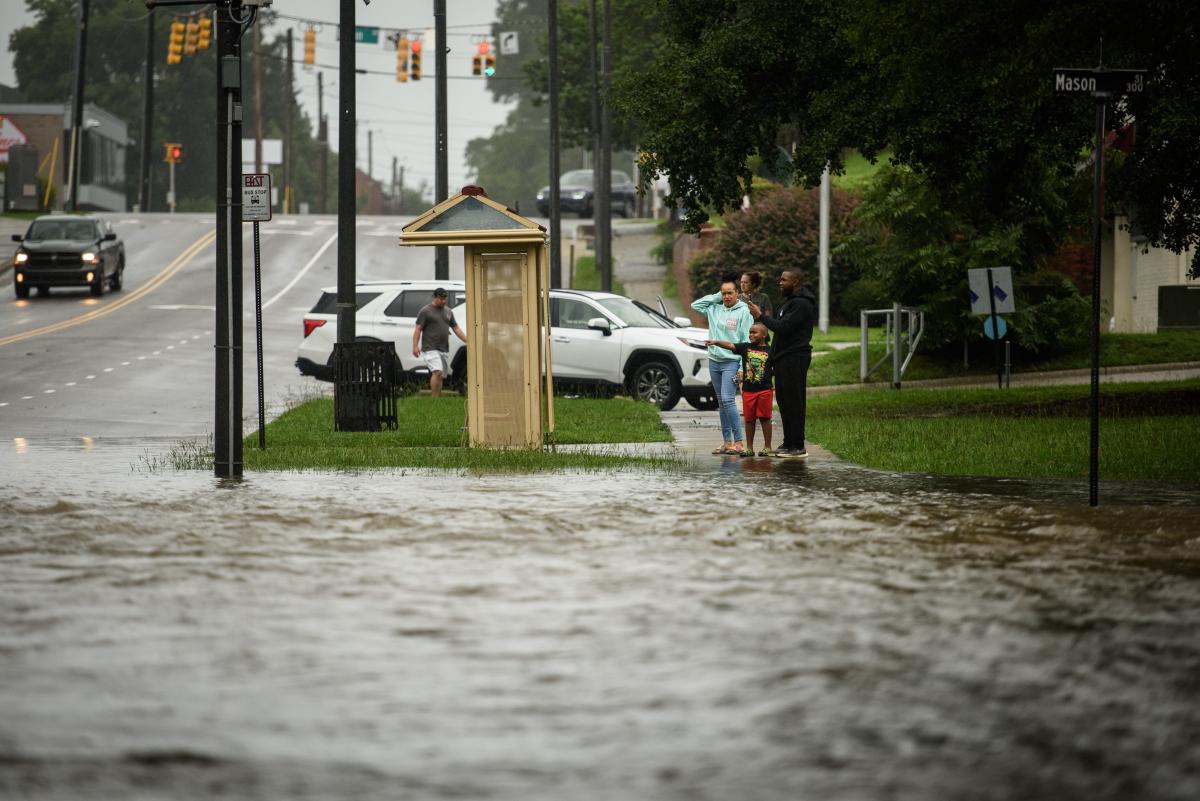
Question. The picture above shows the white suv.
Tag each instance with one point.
(598, 341)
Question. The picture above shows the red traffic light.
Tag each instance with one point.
(176, 152)
(415, 46)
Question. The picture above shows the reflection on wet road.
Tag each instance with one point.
(738, 630)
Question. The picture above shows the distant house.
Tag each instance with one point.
(47, 126)
(1134, 277)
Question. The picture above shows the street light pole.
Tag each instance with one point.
(441, 258)
(73, 162)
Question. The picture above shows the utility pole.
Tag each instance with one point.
(73, 163)
(346, 167)
(441, 262)
(394, 197)
(227, 436)
(287, 131)
(604, 187)
(147, 117)
(258, 117)
(823, 256)
(555, 165)
(370, 158)
(400, 208)
(323, 138)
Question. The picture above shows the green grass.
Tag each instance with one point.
(841, 367)
(586, 276)
(430, 435)
(1147, 431)
(859, 171)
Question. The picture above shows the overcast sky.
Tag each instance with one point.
(399, 115)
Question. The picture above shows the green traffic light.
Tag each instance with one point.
(489, 71)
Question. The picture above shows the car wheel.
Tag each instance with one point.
(655, 382)
(458, 372)
(98, 286)
(627, 209)
(704, 404)
(22, 291)
(586, 211)
(118, 278)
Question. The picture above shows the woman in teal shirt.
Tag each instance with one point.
(729, 321)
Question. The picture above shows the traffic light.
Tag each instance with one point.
(173, 152)
(402, 59)
(175, 43)
(414, 60)
(489, 64)
(477, 61)
(205, 37)
(310, 46)
(192, 37)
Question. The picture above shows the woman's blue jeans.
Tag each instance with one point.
(724, 380)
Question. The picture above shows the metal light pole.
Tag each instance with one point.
(441, 259)
(555, 165)
(346, 164)
(73, 162)
(603, 189)
(147, 116)
(823, 255)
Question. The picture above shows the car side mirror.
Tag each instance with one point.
(683, 322)
(110, 237)
(600, 324)
(18, 238)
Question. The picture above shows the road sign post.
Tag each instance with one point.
(256, 208)
(1101, 84)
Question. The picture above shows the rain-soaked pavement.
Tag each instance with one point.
(735, 630)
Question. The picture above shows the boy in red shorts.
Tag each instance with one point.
(758, 396)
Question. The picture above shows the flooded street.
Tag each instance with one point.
(737, 630)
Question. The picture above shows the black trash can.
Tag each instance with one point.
(364, 385)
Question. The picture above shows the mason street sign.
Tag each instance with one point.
(1069, 80)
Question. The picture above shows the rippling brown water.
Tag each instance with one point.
(739, 630)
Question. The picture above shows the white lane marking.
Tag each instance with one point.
(326, 222)
(141, 358)
(70, 383)
(320, 251)
(3, 403)
(284, 222)
(88, 377)
(293, 233)
(125, 364)
(382, 233)
(184, 307)
(26, 397)
(47, 392)
(183, 342)
(108, 369)
(156, 353)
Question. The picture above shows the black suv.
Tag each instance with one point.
(68, 250)
(575, 193)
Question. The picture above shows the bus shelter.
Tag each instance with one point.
(510, 400)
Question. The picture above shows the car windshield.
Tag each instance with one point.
(634, 314)
(75, 230)
(581, 178)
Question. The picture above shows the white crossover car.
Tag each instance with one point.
(599, 341)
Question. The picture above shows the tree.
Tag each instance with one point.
(960, 92)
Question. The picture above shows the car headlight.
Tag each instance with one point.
(541, 195)
(579, 194)
(693, 343)
(22, 258)
(89, 257)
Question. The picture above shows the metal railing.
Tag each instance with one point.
(902, 327)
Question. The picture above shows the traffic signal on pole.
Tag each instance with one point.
(310, 47)
(477, 61)
(402, 59)
(489, 64)
(173, 152)
(192, 37)
(414, 60)
(175, 43)
(204, 39)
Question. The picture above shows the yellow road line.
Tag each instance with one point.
(171, 269)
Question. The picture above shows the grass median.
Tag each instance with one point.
(1148, 431)
(430, 434)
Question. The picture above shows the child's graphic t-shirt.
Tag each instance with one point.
(757, 373)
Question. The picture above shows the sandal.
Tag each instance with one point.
(723, 451)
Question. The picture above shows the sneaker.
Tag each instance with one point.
(793, 453)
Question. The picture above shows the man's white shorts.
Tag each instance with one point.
(438, 361)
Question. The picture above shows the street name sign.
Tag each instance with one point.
(256, 197)
(1002, 289)
(1070, 80)
(362, 35)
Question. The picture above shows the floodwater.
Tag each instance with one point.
(736, 630)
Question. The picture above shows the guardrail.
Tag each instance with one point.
(902, 326)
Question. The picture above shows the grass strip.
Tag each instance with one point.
(430, 434)
(1015, 432)
(1116, 350)
(586, 276)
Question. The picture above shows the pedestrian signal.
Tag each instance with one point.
(175, 43)
(402, 59)
(204, 39)
(192, 37)
(414, 60)
(310, 47)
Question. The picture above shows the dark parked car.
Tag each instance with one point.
(575, 193)
(68, 250)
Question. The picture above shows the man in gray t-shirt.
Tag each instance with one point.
(431, 338)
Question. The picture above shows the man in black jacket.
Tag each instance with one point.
(791, 353)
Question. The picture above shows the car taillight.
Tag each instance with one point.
(312, 325)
